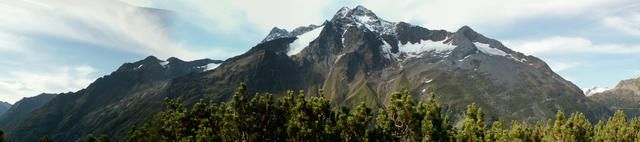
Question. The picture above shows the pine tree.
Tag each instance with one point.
(91, 138)
(304, 117)
(2, 136)
(473, 129)
(45, 139)
(435, 126)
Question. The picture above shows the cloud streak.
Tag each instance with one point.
(561, 66)
(18, 84)
(108, 23)
(452, 14)
(566, 45)
(629, 24)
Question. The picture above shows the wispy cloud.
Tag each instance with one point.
(10, 43)
(565, 45)
(629, 24)
(108, 23)
(18, 84)
(452, 14)
(234, 15)
(561, 66)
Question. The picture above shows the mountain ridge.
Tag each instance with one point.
(4, 106)
(625, 96)
(97, 108)
(23, 107)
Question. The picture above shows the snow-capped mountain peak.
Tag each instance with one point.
(363, 17)
(277, 33)
(593, 90)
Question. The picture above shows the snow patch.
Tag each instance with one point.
(344, 32)
(211, 66)
(593, 90)
(465, 57)
(424, 90)
(163, 63)
(338, 58)
(413, 50)
(365, 19)
(484, 48)
(140, 66)
(523, 60)
(428, 81)
(303, 41)
(386, 50)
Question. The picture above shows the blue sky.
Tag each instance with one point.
(63, 45)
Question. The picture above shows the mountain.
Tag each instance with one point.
(4, 106)
(23, 107)
(96, 109)
(593, 90)
(359, 57)
(282, 33)
(354, 57)
(625, 96)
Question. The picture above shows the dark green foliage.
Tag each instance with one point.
(102, 138)
(300, 118)
(2, 136)
(45, 139)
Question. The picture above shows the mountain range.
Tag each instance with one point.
(101, 107)
(354, 57)
(24, 107)
(625, 96)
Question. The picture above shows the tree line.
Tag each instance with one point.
(300, 118)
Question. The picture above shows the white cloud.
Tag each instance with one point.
(109, 23)
(627, 23)
(437, 14)
(231, 16)
(452, 14)
(17, 84)
(10, 42)
(561, 66)
(564, 45)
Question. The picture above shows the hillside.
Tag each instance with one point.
(4, 106)
(24, 107)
